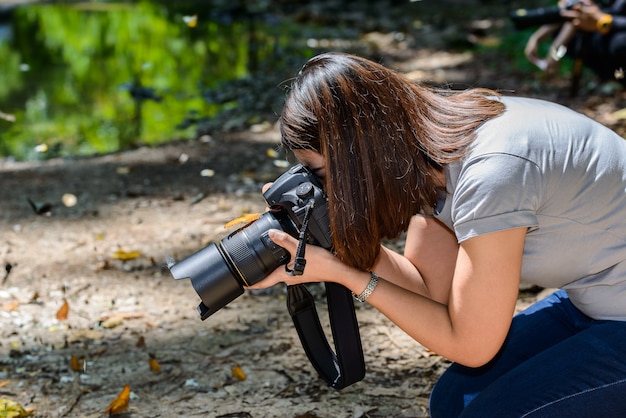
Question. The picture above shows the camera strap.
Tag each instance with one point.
(345, 367)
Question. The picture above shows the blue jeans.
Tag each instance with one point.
(555, 362)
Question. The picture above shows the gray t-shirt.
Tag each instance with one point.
(563, 176)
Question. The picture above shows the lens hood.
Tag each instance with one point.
(216, 286)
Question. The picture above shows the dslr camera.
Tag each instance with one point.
(527, 18)
(219, 271)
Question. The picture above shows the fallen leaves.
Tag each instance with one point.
(77, 365)
(246, 218)
(10, 307)
(154, 364)
(238, 373)
(126, 255)
(113, 320)
(63, 311)
(119, 404)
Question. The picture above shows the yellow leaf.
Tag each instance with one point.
(12, 409)
(119, 404)
(112, 321)
(63, 311)
(154, 364)
(246, 218)
(238, 373)
(126, 255)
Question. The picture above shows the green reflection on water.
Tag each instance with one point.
(97, 77)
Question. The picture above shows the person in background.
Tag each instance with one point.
(595, 35)
(490, 190)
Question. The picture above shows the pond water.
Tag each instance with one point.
(93, 77)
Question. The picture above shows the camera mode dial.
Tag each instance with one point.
(305, 190)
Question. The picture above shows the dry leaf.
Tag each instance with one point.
(11, 307)
(119, 404)
(246, 218)
(4, 383)
(126, 255)
(75, 363)
(12, 409)
(113, 321)
(238, 373)
(63, 311)
(141, 342)
(154, 364)
(125, 315)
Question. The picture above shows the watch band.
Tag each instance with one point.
(604, 23)
(369, 289)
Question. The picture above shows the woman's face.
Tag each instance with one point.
(313, 161)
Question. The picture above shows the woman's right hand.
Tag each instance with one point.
(322, 265)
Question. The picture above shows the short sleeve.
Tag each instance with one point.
(495, 192)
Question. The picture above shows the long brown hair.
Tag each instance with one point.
(382, 137)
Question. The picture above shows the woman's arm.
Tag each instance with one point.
(470, 328)
(427, 266)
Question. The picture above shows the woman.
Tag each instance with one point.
(490, 190)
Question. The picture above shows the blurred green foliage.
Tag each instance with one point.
(90, 78)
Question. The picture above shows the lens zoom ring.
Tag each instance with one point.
(242, 257)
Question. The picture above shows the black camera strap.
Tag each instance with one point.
(345, 367)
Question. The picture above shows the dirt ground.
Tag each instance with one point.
(104, 254)
(122, 313)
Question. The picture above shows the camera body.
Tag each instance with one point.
(219, 271)
(527, 18)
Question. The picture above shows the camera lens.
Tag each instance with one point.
(251, 253)
(211, 278)
(219, 271)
